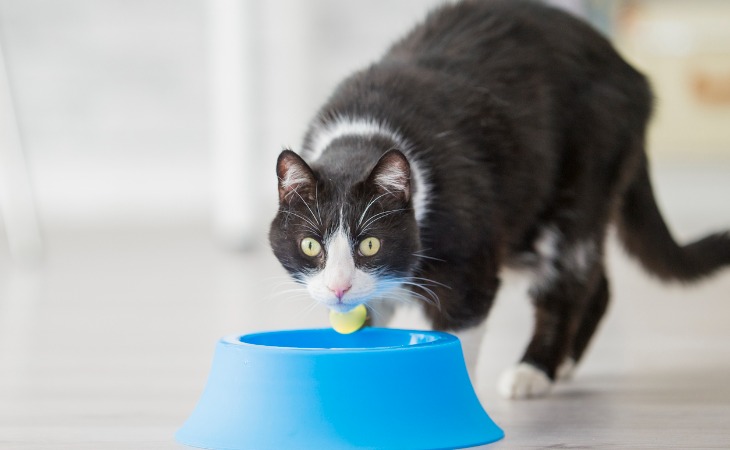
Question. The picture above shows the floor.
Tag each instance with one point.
(107, 346)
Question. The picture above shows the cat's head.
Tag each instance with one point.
(348, 239)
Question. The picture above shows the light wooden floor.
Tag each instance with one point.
(108, 346)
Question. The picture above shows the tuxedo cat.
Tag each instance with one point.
(495, 134)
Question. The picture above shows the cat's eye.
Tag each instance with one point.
(369, 246)
(311, 247)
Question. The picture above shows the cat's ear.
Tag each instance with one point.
(392, 175)
(295, 177)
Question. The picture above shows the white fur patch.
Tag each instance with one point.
(421, 189)
(546, 247)
(392, 179)
(340, 272)
(523, 381)
(580, 257)
(577, 258)
(547, 244)
(325, 133)
(294, 176)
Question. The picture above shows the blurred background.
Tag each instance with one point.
(171, 112)
(137, 150)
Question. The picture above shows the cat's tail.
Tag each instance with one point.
(646, 236)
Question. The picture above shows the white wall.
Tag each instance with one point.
(113, 97)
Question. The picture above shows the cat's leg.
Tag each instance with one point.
(465, 293)
(564, 282)
(594, 311)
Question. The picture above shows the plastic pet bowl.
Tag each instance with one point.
(316, 389)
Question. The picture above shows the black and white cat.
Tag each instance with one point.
(495, 134)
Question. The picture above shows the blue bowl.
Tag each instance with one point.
(318, 389)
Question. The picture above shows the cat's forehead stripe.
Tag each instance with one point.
(325, 133)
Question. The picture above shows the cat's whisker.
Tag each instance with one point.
(299, 216)
(413, 295)
(395, 290)
(368, 207)
(292, 287)
(385, 213)
(312, 231)
(316, 203)
(374, 313)
(310, 209)
(275, 288)
(311, 307)
(431, 282)
(288, 292)
(431, 297)
(425, 288)
(312, 226)
(400, 294)
(277, 292)
(286, 285)
(379, 216)
(418, 255)
(405, 296)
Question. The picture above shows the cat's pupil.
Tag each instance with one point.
(370, 245)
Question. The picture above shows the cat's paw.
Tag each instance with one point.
(523, 381)
(566, 370)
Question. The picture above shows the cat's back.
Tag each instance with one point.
(458, 29)
(503, 37)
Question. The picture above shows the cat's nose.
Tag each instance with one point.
(340, 291)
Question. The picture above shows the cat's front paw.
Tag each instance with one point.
(523, 381)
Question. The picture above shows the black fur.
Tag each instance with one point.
(527, 120)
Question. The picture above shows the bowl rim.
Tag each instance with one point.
(441, 338)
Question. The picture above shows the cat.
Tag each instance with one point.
(496, 134)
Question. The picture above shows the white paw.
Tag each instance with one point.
(565, 370)
(523, 381)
